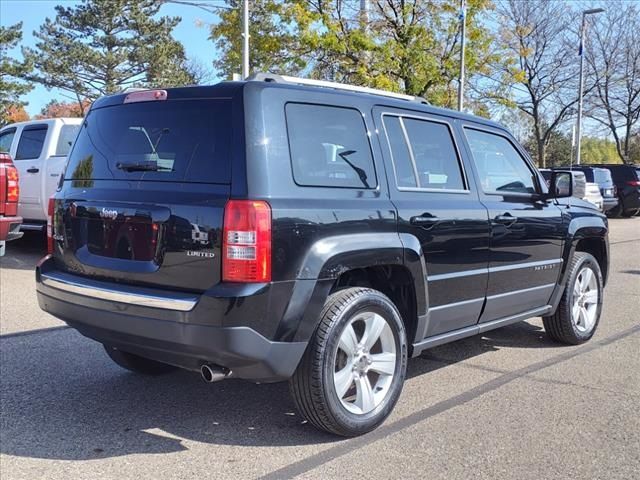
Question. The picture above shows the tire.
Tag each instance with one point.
(615, 212)
(137, 364)
(576, 319)
(629, 213)
(368, 397)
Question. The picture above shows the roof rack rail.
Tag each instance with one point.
(272, 77)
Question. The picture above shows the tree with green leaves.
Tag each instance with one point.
(598, 150)
(101, 47)
(409, 46)
(11, 71)
(272, 33)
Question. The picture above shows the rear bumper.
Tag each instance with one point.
(172, 332)
(10, 228)
(609, 203)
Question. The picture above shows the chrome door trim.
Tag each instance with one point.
(501, 268)
(520, 292)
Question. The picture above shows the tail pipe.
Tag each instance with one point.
(213, 373)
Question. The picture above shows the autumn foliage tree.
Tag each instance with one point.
(14, 113)
(57, 109)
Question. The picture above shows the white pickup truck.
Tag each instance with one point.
(39, 149)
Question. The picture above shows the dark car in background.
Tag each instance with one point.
(626, 178)
(603, 178)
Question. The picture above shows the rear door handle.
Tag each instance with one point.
(33, 170)
(506, 219)
(424, 222)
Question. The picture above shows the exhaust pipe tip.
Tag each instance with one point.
(213, 373)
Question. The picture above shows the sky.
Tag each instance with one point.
(192, 32)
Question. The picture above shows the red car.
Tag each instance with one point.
(9, 194)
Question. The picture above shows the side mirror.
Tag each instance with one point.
(563, 184)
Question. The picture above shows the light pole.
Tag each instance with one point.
(583, 29)
(245, 39)
(463, 20)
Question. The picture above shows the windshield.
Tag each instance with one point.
(184, 140)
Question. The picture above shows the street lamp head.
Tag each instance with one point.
(593, 10)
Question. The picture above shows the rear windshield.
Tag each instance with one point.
(602, 176)
(589, 174)
(179, 140)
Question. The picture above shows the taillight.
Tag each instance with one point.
(11, 173)
(50, 213)
(13, 188)
(246, 244)
(634, 183)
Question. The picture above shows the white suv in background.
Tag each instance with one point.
(39, 149)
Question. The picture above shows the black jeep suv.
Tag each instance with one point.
(274, 230)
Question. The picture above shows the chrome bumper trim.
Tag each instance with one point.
(95, 290)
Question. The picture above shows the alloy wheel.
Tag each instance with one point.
(585, 300)
(365, 363)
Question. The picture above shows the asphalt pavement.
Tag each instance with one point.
(507, 405)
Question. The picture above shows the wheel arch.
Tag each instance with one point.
(388, 262)
(585, 234)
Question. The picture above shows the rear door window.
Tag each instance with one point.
(424, 154)
(31, 142)
(436, 161)
(400, 155)
(174, 140)
(329, 147)
(65, 140)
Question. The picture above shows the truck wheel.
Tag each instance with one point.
(578, 313)
(137, 364)
(352, 372)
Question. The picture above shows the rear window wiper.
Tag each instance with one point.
(139, 166)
